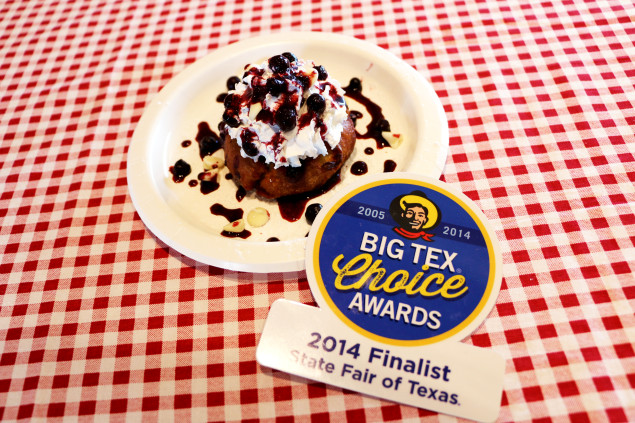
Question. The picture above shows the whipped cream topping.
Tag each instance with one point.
(284, 110)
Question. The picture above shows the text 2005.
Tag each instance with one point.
(370, 212)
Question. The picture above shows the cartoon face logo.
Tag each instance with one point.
(414, 213)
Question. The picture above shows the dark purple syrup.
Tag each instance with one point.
(378, 122)
(273, 239)
(389, 166)
(208, 185)
(354, 115)
(193, 183)
(359, 168)
(240, 193)
(244, 234)
(369, 150)
(292, 206)
(230, 214)
(180, 170)
(186, 143)
(208, 141)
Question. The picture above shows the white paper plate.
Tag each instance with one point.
(180, 215)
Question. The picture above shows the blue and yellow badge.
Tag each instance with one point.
(404, 260)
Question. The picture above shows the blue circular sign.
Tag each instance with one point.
(404, 260)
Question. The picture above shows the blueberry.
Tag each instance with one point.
(355, 85)
(292, 57)
(339, 100)
(230, 119)
(276, 85)
(258, 93)
(383, 125)
(247, 136)
(182, 167)
(180, 170)
(322, 73)
(232, 81)
(286, 117)
(316, 103)
(229, 100)
(279, 64)
(305, 81)
(312, 211)
(208, 142)
(250, 148)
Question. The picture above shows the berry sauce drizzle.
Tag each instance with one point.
(378, 122)
(292, 206)
(243, 234)
(209, 186)
(240, 193)
(208, 141)
(230, 214)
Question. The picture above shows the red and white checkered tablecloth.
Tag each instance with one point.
(100, 320)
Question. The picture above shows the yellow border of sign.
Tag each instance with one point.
(479, 308)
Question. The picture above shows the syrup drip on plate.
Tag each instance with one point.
(207, 184)
(240, 193)
(292, 207)
(231, 215)
(378, 122)
(244, 234)
(208, 141)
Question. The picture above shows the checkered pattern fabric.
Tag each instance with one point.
(100, 320)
